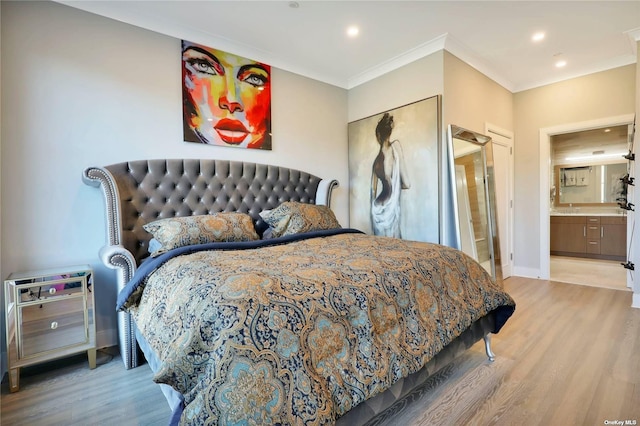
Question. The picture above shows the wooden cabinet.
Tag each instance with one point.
(601, 237)
(49, 314)
(613, 237)
(568, 234)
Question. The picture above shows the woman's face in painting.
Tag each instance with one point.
(227, 97)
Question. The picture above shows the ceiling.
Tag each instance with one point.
(310, 39)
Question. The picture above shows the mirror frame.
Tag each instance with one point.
(486, 149)
(556, 181)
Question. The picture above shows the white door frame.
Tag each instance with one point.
(504, 137)
(545, 171)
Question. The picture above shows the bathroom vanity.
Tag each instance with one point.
(595, 236)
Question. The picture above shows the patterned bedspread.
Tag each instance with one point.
(300, 331)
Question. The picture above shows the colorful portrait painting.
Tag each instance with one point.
(226, 99)
(394, 172)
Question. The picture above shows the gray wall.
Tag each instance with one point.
(81, 90)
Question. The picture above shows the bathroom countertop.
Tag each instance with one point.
(585, 214)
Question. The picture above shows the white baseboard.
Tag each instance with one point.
(519, 271)
(635, 303)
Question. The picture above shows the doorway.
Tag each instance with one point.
(545, 178)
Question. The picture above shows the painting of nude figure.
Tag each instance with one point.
(394, 172)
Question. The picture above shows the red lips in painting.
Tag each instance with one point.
(231, 131)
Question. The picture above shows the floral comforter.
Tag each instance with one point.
(300, 330)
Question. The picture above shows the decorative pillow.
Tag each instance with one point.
(292, 217)
(268, 234)
(154, 245)
(182, 231)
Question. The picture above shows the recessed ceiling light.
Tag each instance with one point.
(559, 61)
(537, 36)
(353, 31)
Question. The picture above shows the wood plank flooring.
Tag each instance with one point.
(570, 355)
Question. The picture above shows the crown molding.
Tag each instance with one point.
(443, 42)
(634, 34)
(398, 61)
(617, 62)
(161, 26)
(467, 55)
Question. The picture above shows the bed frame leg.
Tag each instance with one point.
(487, 347)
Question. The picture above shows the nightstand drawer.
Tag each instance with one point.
(50, 290)
(52, 325)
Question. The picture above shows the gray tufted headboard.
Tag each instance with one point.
(138, 192)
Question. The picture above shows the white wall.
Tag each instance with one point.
(81, 90)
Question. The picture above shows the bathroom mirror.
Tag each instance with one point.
(589, 184)
(473, 186)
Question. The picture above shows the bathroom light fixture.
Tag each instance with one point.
(353, 31)
(539, 36)
(595, 156)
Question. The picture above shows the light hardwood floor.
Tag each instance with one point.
(570, 355)
(592, 272)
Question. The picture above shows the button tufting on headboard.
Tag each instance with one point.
(146, 190)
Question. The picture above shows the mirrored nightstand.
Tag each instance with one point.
(49, 315)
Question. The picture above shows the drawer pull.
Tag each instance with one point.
(54, 325)
(593, 243)
(52, 290)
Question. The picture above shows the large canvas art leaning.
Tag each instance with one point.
(226, 99)
(394, 172)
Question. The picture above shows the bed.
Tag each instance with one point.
(252, 305)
